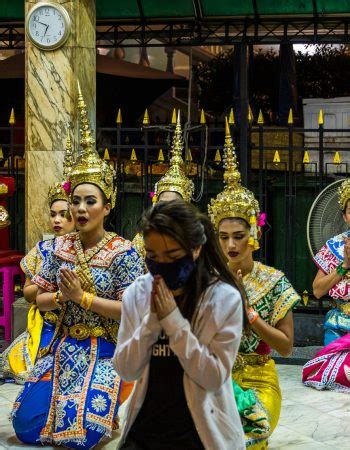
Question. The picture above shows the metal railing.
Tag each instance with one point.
(285, 183)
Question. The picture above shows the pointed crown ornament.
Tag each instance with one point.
(59, 191)
(88, 166)
(175, 179)
(235, 201)
(344, 194)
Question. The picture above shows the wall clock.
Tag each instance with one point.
(48, 25)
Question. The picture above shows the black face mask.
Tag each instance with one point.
(175, 274)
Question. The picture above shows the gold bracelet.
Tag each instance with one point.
(86, 300)
(56, 298)
(89, 301)
(83, 300)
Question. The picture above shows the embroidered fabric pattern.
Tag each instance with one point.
(85, 386)
(73, 367)
(328, 258)
(328, 371)
(31, 263)
(273, 298)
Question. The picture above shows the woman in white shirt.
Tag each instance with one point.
(179, 335)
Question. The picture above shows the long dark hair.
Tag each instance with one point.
(190, 228)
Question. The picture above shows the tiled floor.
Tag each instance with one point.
(309, 420)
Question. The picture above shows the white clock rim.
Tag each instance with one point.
(66, 19)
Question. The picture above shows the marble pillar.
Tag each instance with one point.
(51, 107)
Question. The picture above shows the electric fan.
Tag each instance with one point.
(325, 218)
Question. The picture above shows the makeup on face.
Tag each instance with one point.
(88, 208)
(58, 218)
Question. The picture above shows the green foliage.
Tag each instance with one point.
(215, 79)
(323, 74)
(326, 73)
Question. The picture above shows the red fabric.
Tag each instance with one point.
(4, 234)
(263, 348)
(11, 260)
(4, 253)
(10, 183)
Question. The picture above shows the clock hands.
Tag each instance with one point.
(45, 25)
(41, 23)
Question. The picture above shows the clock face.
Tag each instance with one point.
(48, 26)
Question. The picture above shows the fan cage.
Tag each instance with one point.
(325, 219)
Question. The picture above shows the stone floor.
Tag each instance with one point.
(309, 419)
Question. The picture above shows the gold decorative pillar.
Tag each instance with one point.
(51, 107)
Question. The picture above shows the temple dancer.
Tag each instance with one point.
(270, 296)
(330, 368)
(175, 184)
(19, 358)
(73, 394)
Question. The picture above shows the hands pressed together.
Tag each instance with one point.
(162, 299)
(70, 286)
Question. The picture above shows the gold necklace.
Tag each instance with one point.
(85, 276)
(84, 258)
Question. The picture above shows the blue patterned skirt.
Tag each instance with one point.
(71, 398)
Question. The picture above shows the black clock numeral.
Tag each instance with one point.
(60, 33)
(36, 18)
(34, 25)
(37, 33)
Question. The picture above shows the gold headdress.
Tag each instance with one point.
(344, 193)
(175, 179)
(4, 218)
(89, 167)
(59, 191)
(235, 200)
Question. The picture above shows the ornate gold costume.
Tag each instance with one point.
(175, 179)
(89, 167)
(235, 200)
(58, 191)
(4, 217)
(344, 194)
(268, 292)
(139, 245)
